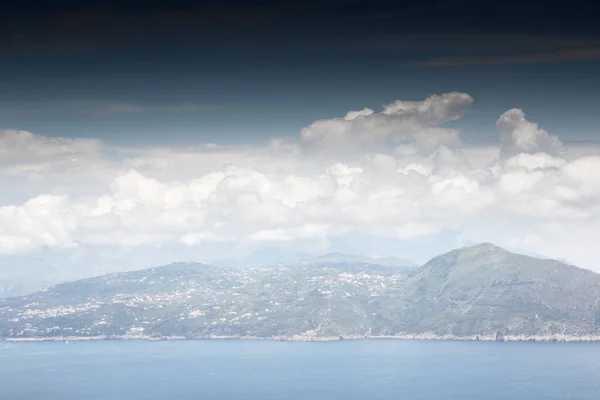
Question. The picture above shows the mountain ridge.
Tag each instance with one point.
(481, 291)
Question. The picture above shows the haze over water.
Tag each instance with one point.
(363, 369)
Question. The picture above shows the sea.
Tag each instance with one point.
(271, 370)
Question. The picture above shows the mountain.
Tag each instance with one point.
(357, 264)
(480, 291)
(22, 274)
(25, 273)
(269, 255)
(340, 258)
(485, 288)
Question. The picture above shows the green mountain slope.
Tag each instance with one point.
(484, 288)
(480, 291)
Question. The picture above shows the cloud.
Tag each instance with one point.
(414, 122)
(31, 164)
(88, 108)
(24, 144)
(45, 220)
(99, 109)
(521, 136)
(577, 54)
(471, 44)
(467, 49)
(397, 173)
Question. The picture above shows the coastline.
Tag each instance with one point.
(302, 338)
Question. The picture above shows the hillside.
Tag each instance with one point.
(357, 264)
(484, 288)
(478, 291)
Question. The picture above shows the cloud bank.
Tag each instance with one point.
(397, 173)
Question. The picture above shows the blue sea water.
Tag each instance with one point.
(263, 370)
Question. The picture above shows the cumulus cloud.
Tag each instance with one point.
(45, 220)
(406, 178)
(32, 164)
(521, 136)
(414, 122)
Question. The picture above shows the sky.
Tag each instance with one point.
(140, 133)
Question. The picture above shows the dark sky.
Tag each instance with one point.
(244, 71)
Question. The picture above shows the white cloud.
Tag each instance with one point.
(23, 146)
(45, 220)
(521, 136)
(397, 173)
(415, 122)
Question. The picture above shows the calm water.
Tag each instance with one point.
(369, 369)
